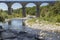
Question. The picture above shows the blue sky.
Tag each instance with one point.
(17, 5)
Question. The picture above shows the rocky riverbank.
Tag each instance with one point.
(44, 25)
(47, 31)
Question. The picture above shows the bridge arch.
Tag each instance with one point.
(18, 5)
(31, 5)
(44, 4)
(32, 8)
(44, 9)
(16, 9)
(3, 6)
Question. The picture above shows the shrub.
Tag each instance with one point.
(58, 19)
(2, 19)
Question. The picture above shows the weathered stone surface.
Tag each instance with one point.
(19, 36)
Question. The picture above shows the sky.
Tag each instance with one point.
(3, 6)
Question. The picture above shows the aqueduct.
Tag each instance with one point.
(24, 3)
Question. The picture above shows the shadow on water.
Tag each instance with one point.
(30, 34)
(12, 33)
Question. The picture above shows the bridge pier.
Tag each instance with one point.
(9, 24)
(9, 8)
(37, 10)
(23, 11)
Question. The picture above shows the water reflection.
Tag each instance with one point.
(16, 25)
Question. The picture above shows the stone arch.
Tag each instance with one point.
(18, 12)
(31, 5)
(5, 6)
(44, 4)
(44, 8)
(14, 4)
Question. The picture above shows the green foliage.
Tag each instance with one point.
(2, 19)
(32, 20)
(49, 13)
(31, 10)
(58, 18)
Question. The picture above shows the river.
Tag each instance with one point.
(16, 26)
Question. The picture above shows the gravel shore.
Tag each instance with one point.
(43, 26)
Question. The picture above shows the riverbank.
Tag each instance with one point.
(44, 29)
(44, 25)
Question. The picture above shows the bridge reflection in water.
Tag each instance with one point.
(15, 32)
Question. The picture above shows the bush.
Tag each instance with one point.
(58, 19)
(2, 19)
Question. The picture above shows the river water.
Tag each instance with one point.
(16, 26)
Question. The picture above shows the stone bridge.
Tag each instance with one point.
(24, 3)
